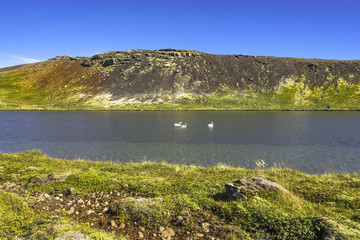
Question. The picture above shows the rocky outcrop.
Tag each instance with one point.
(249, 185)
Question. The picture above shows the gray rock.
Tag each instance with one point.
(108, 62)
(113, 223)
(71, 211)
(178, 219)
(240, 188)
(7, 186)
(133, 203)
(206, 226)
(69, 192)
(168, 232)
(71, 235)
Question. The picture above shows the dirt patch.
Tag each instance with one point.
(94, 211)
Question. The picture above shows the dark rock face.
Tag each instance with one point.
(171, 71)
(246, 185)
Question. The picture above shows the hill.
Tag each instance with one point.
(170, 79)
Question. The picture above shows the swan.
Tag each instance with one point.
(177, 124)
(211, 125)
(183, 125)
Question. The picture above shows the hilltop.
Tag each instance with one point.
(170, 79)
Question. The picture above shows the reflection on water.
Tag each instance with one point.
(314, 142)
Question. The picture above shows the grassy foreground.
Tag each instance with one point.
(165, 201)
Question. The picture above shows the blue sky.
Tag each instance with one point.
(34, 30)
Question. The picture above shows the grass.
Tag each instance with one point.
(317, 205)
(22, 90)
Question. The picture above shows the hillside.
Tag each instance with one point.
(170, 79)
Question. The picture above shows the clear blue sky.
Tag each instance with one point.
(41, 29)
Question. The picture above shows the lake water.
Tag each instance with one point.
(314, 142)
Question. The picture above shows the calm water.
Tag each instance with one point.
(315, 142)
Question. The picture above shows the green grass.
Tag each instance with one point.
(316, 204)
(16, 94)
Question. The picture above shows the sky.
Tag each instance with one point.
(36, 30)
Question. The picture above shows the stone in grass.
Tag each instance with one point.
(69, 192)
(70, 235)
(240, 188)
(9, 186)
(168, 232)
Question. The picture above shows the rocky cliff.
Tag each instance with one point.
(182, 79)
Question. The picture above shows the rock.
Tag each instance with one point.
(168, 232)
(69, 192)
(108, 62)
(179, 219)
(113, 223)
(136, 204)
(60, 227)
(240, 188)
(122, 225)
(206, 226)
(184, 213)
(313, 66)
(61, 177)
(141, 235)
(7, 186)
(70, 235)
(71, 211)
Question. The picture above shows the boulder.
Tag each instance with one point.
(135, 204)
(246, 185)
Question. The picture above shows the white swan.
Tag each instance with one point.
(183, 125)
(177, 124)
(211, 125)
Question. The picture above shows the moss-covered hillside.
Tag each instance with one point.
(172, 79)
(45, 198)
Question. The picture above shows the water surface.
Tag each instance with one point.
(315, 142)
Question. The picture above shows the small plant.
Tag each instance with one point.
(260, 163)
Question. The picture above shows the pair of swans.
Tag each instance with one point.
(210, 125)
(180, 125)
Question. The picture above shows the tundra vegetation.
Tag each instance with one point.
(46, 198)
(170, 79)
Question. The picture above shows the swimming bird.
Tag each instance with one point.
(183, 125)
(211, 125)
(177, 124)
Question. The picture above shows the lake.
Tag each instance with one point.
(314, 142)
